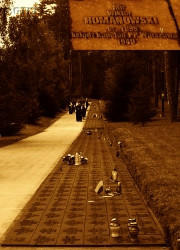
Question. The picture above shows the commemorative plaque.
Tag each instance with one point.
(123, 25)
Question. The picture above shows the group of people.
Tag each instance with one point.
(80, 107)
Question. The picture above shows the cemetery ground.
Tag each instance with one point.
(151, 154)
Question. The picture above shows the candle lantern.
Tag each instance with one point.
(115, 228)
(133, 229)
(77, 160)
(114, 175)
(71, 160)
(120, 144)
(178, 241)
(118, 189)
(117, 154)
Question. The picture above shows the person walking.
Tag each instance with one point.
(78, 112)
(74, 104)
(87, 104)
(70, 108)
(83, 111)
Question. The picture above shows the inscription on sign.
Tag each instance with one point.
(122, 26)
(121, 20)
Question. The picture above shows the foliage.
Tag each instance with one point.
(141, 109)
(122, 75)
(32, 64)
(116, 96)
(172, 79)
(4, 10)
(93, 70)
(58, 21)
(166, 75)
(11, 117)
(87, 74)
(10, 101)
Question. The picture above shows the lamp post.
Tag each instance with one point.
(70, 80)
(70, 74)
(80, 73)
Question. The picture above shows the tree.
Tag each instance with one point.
(88, 70)
(122, 75)
(40, 58)
(11, 101)
(116, 94)
(11, 116)
(33, 69)
(58, 21)
(157, 66)
(10, 120)
(4, 9)
(141, 108)
(172, 79)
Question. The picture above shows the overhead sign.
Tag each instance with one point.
(117, 25)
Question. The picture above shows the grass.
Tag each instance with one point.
(151, 154)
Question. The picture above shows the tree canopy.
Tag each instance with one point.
(34, 74)
(40, 72)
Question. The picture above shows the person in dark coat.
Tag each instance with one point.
(87, 104)
(74, 104)
(83, 111)
(78, 113)
(70, 108)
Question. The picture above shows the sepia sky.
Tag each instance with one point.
(24, 3)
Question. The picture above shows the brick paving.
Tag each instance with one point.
(66, 211)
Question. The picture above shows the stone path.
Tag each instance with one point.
(25, 164)
(66, 211)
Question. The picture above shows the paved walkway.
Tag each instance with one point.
(25, 164)
(65, 211)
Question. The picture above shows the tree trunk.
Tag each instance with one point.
(154, 80)
(172, 81)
